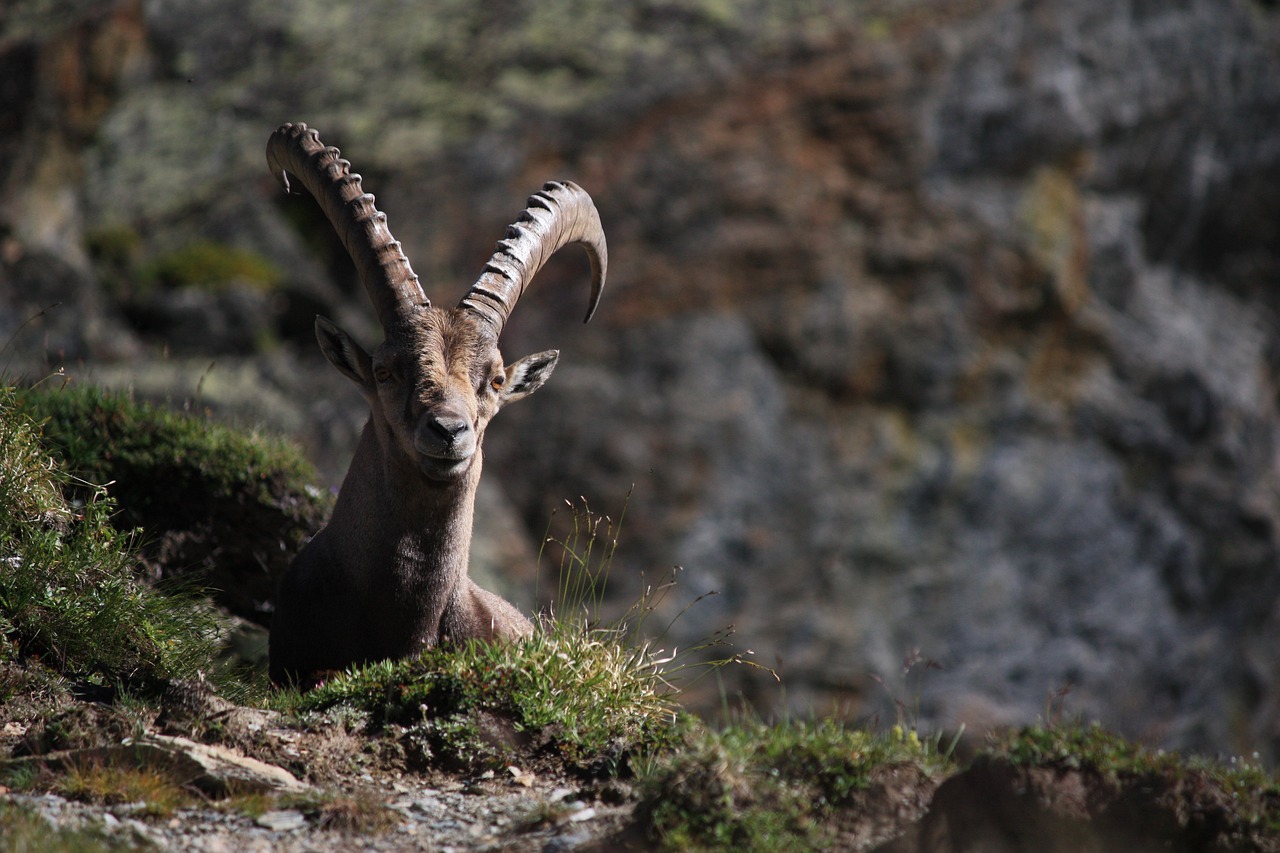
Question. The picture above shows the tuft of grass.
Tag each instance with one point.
(69, 594)
(584, 560)
(585, 555)
(1254, 791)
(578, 693)
(106, 784)
(752, 786)
(148, 790)
(361, 812)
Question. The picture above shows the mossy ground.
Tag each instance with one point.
(753, 786)
(1253, 791)
(201, 504)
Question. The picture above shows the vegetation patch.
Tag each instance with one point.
(575, 695)
(228, 507)
(1239, 797)
(100, 783)
(360, 812)
(69, 593)
(133, 280)
(1076, 746)
(752, 786)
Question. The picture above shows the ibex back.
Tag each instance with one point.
(388, 575)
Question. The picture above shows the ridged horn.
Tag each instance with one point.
(557, 215)
(295, 149)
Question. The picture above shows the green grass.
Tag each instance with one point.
(578, 695)
(1253, 791)
(69, 595)
(217, 507)
(1074, 746)
(752, 786)
(127, 276)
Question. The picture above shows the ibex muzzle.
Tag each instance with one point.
(388, 575)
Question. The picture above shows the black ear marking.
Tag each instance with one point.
(528, 374)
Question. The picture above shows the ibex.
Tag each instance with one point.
(388, 575)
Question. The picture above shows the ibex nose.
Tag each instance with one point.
(448, 427)
(445, 435)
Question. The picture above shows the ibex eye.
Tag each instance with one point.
(497, 381)
(381, 374)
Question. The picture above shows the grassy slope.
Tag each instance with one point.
(73, 611)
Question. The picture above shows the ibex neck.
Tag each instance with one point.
(411, 520)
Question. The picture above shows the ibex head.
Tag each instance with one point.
(438, 378)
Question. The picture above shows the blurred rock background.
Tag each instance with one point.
(932, 325)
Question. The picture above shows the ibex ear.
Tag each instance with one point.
(527, 375)
(344, 353)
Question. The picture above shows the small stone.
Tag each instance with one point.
(282, 821)
(521, 777)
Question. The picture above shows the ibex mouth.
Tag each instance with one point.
(444, 467)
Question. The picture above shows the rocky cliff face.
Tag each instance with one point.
(950, 327)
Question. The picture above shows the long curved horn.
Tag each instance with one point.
(559, 214)
(295, 149)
